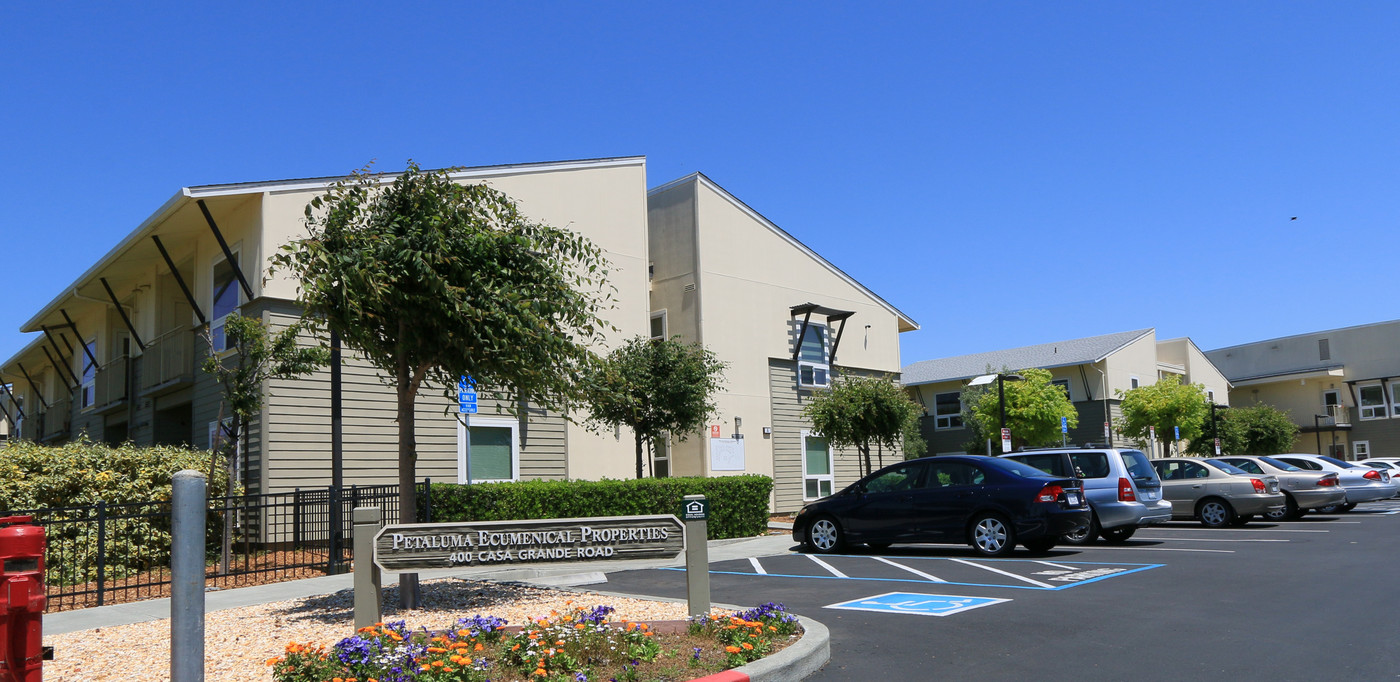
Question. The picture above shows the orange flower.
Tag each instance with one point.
(540, 671)
(436, 650)
(579, 626)
(646, 634)
(746, 645)
(559, 643)
(514, 648)
(478, 646)
(732, 649)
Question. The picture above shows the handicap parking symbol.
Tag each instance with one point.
(918, 604)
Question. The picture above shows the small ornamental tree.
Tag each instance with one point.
(1034, 407)
(655, 387)
(432, 280)
(1254, 431)
(862, 412)
(1164, 405)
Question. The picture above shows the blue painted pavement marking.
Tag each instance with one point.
(917, 604)
(1019, 574)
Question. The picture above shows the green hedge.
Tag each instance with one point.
(738, 504)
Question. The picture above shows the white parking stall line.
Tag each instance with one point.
(1210, 540)
(827, 566)
(1053, 565)
(757, 567)
(1157, 529)
(1130, 548)
(1008, 574)
(915, 571)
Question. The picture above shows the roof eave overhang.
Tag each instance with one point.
(971, 376)
(1337, 371)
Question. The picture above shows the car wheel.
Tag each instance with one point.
(1215, 513)
(1331, 509)
(825, 536)
(991, 535)
(878, 546)
(1242, 519)
(1288, 513)
(1085, 535)
(1038, 545)
(1348, 506)
(1119, 535)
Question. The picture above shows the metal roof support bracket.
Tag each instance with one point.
(15, 401)
(184, 288)
(832, 319)
(62, 361)
(33, 386)
(122, 311)
(74, 327)
(228, 253)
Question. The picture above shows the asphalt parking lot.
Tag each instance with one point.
(1303, 600)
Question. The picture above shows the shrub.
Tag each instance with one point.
(738, 504)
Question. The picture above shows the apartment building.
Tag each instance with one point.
(1092, 371)
(1340, 386)
(116, 355)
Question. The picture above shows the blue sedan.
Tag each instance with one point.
(990, 503)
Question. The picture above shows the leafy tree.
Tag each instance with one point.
(1034, 407)
(655, 387)
(432, 280)
(257, 357)
(1165, 404)
(913, 442)
(1258, 430)
(861, 412)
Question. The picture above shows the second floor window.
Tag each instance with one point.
(1372, 401)
(813, 367)
(89, 388)
(225, 301)
(947, 411)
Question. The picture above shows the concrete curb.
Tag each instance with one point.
(796, 662)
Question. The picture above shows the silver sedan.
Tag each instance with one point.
(1303, 490)
(1216, 493)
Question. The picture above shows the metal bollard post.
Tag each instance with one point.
(369, 597)
(695, 509)
(187, 508)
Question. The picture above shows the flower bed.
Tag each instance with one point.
(575, 646)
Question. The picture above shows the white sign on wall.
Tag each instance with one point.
(726, 454)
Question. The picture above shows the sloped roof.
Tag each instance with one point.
(1044, 356)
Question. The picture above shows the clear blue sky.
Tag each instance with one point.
(1005, 173)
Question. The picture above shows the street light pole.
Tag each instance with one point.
(1317, 431)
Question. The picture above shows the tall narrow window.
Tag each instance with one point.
(224, 300)
(1132, 382)
(813, 368)
(1324, 352)
(817, 480)
(89, 388)
(1361, 449)
(1372, 401)
(1395, 398)
(947, 411)
(661, 457)
(495, 450)
(658, 325)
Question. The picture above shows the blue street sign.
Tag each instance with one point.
(466, 395)
(917, 604)
(466, 384)
(1064, 424)
(467, 407)
(1176, 431)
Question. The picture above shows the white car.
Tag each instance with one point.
(1390, 464)
(1363, 484)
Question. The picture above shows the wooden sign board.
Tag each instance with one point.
(423, 546)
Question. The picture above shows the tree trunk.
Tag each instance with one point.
(865, 454)
(639, 453)
(406, 388)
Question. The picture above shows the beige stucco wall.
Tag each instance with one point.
(1136, 359)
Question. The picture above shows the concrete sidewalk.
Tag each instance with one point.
(552, 574)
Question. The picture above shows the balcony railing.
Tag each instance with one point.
(54, 422)
(1339, 415)
(110, 383)
(169, 360)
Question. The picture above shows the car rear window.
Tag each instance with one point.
(1337, 462)
(1091, 464)
(1139, 467)
(1226, 467)
(1249, 466)
(1023, 470)
(1050, 463)
(1280, 464)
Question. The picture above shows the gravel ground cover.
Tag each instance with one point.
(238, 642)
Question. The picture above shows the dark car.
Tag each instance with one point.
(992, 504)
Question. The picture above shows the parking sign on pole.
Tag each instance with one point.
(1006, 440)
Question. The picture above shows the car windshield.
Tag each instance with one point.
(1139, 467)
(1227, 468)
(1022, 470)
(1337, 462)
(1279, 464)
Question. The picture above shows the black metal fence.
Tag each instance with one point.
(112, 553)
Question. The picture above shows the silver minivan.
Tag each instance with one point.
(1123, 489)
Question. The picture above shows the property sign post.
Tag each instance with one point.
(466, 404)
(369, 600)
(695, 509)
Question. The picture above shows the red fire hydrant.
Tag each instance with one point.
(21, 599)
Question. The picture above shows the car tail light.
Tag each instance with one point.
(1125, 491)
(1049, 493)
(1330, 479)
(1372, 474)
(1258, 485)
